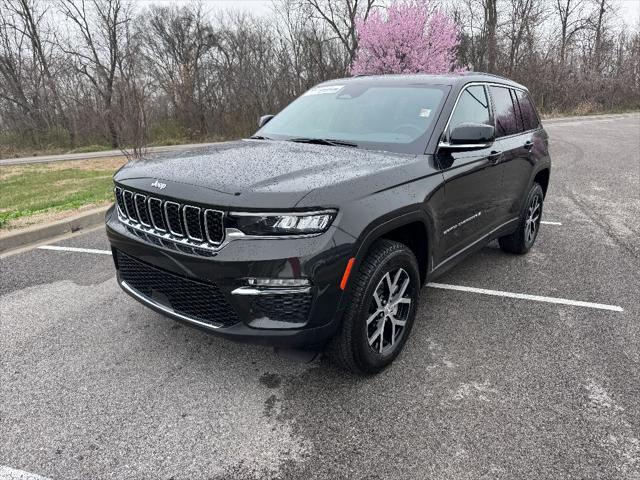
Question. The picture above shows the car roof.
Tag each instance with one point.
(452, 79)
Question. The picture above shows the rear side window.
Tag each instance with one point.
(473, 106)
(505, 112)
(529, 117)
(516, 108)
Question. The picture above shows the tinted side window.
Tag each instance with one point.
(505, 113)
(529, 116)
(473, 106)
(516, 108)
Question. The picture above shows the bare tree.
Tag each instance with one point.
(524, 18)
(100, 26)
(490, 33)
(118, 74)
(176, 41)
(341, 16)
(24, 23)
(572, 20)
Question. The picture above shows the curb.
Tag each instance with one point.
(38, 233)
(597, 116)
(65, 157)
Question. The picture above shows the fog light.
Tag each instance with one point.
(278, 282)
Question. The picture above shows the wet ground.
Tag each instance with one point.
(93, 385)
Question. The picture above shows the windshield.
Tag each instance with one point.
(397, 118)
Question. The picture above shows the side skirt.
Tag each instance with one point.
(476, 244)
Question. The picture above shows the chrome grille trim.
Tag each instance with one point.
(135, 203)
(206, 226)
(153, 222)
(142, 207)
(166, 218)
(125, 194)
(119, 201)
(186, 222)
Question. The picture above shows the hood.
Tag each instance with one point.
(263, 173)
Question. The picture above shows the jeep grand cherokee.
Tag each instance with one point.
(319, 231)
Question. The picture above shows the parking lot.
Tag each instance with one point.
(490, 385)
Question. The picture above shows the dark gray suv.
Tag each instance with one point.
(319, 231)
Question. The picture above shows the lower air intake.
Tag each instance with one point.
(197, 300)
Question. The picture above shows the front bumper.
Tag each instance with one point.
(291, 318)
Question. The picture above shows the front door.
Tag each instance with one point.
(473, 180)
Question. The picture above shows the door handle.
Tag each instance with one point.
(495, 156)
(528, 145)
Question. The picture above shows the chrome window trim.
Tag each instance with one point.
(206, 226)
(445, 131)
(153, 222)
(186, 225)
(463, 145)
(135, 203)
(166, 216)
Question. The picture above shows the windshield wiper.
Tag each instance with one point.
(259, 137)
(323, 141)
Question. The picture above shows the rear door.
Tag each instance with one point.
(472, 179)
(515, 144)
(518, 174)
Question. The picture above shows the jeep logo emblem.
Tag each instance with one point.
(159, 185)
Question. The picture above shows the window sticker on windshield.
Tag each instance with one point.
(425, 112)
(323, 90)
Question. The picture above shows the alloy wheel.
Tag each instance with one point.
(389, 311)
(532, 224)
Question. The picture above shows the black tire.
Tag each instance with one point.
(351, 348)
(521, 241)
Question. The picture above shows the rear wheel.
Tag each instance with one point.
(384, 298)
(525, 236)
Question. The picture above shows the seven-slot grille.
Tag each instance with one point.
(167, 218)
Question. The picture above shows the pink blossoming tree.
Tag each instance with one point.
(405, 38)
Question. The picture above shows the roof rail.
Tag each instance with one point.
(469, 73)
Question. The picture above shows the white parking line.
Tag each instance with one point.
(7, 473)
(525, 296)
(546, 222)
(484, 291)
(73, 249)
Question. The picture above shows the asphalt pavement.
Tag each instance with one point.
(95, 386)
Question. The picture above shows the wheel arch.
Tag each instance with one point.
(414, 229)
(542, 178)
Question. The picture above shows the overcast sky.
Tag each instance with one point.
(629, 9)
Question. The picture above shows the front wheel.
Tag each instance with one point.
(383, 304)
(525, 236)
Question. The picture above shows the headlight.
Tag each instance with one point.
(295, 223)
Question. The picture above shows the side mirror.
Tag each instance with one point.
(264, 120)
(470, 135)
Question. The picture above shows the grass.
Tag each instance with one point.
(56, 141)
(32, 193)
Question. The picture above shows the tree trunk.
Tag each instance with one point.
(491, 23)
